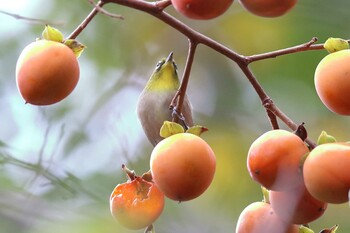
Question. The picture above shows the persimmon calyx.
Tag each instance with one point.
(51, 33)
(304, 229)
(75, 46)
(333, 229)
(266, 194)
(335, 44)
(197, 130)
(325, 138)
(170, 128)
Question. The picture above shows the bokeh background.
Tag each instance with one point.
(59, 163)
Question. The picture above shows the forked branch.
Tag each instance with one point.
(195, 38)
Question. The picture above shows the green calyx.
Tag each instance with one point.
(335, 44)
(53, 34)
(170, 128)
(304, 229)
(325, 138)
(75, 46)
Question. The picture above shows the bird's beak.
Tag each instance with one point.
(169, 58)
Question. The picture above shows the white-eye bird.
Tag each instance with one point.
(155, 99)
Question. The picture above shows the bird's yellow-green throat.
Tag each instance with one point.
(164, 77)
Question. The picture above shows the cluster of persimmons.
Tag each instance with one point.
(299, 180)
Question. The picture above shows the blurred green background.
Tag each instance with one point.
(59, 163)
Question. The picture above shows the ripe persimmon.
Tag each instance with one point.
(136, 203)
(182, 166)
(332, 81)
(274, 160)
(326, 172)
(201, 9)
(268, 8)
(259, 217)
(46, 72)
(297, 205)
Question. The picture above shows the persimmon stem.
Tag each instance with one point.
(102, 11)
(273, 119)
(130, 173)
(150, 229)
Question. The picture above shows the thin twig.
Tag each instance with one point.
(32, 20)
(273, 119)
(86, 21)
(103, 11)
(162, 4)
(156, 9)
(310, 45)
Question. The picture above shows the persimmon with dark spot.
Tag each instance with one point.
(274, 160)
(259, 217)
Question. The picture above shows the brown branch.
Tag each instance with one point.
(270, 106)
(298, 48)
(194, 36)
(185, 79)
(103, 11)
(156, 9)
(273, 119)
(86, 21)
(162, 4)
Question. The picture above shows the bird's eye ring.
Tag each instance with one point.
(159, 65)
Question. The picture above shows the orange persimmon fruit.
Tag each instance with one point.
(183, 166)
(46, 72)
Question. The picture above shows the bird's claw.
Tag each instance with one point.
(179, 115)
